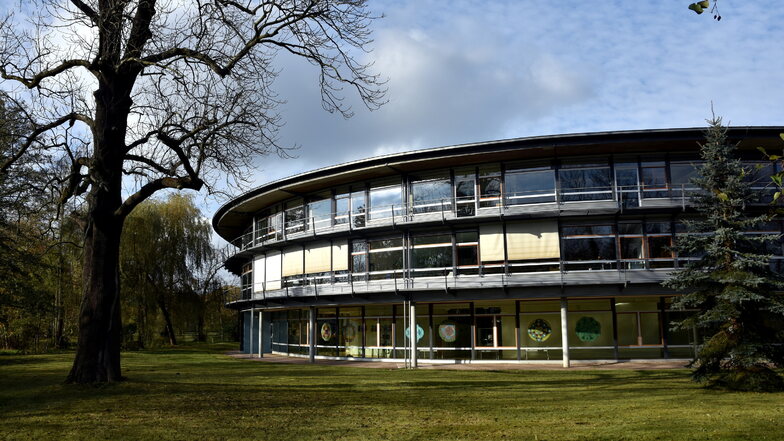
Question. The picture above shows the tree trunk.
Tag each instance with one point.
(100, 322)
(167, 319)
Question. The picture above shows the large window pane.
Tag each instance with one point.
(385, 201)
(358, 208)
(320, 213)
(530, 187)
(489, 187)
(342, 208)
(432, 195)
(585, 184)
(654, 181)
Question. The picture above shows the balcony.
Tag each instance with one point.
(605, 200)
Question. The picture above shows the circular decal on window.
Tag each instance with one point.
(420, 333)
(447, 331)
(588, 329)
(349, 332)
(326, 331)
(539, 330)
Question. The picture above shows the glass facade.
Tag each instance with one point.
(588, 225)
(598, 329)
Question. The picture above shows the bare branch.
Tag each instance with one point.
(179, 183)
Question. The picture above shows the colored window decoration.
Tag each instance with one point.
(349, 332)
(447, 331)
(326, 331)
(539, 330)
(419, 331)
(588, 329)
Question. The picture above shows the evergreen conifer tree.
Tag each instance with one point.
(729, 282)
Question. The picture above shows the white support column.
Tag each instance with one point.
(312, 334)
(565, 331)
(250, 331)
(261, 334)
(412, 330)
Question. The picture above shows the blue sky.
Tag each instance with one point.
(469, 71)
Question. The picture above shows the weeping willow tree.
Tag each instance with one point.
(165, 250)
(730, 285)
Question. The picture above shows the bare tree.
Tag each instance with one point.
(181, 99)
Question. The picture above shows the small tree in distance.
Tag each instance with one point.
(730, 283)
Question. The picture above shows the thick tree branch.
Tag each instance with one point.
(40, 76)
(70, 118)
(147, 190)
(86, 10)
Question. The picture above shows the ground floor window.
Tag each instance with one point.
(525, 329)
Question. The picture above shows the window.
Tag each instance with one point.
(431, 195)
(467, 252)
(385, 202)
(658, 236)
(589, 247)
(465, 193)
(275, 227)
(359, 259)
(529, 187)
(431, 255)
(627, 183)
(320, 213)
(246, 281)
(585, 183)
(342, 202)
(295, 218)
(630, 244)
(532, 246)
(385, 258)
(489, 186)
(654, 180)
(758, 175)
(358, 208)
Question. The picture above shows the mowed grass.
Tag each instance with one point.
(198, 393)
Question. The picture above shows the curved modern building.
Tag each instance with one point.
(542, 248)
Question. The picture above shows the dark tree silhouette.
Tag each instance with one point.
(169, 96)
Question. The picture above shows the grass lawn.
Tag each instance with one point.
(197, 393)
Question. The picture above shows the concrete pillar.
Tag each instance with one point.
(250, 333)
(565, 331)
(413, 333)
(312, 334)
(261, 334)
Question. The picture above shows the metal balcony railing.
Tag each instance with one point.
(621, 197)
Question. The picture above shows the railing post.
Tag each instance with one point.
(565, 332)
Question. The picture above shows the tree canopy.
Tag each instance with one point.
(138, 96)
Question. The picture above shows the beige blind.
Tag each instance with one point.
(318, 258)
(258, 273)
(272, 263)
(491, 243)
(292, 261)
(532, 240)
(340, 255)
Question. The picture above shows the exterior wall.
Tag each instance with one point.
(487, 251)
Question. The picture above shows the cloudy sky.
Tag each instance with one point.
(466, 71)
